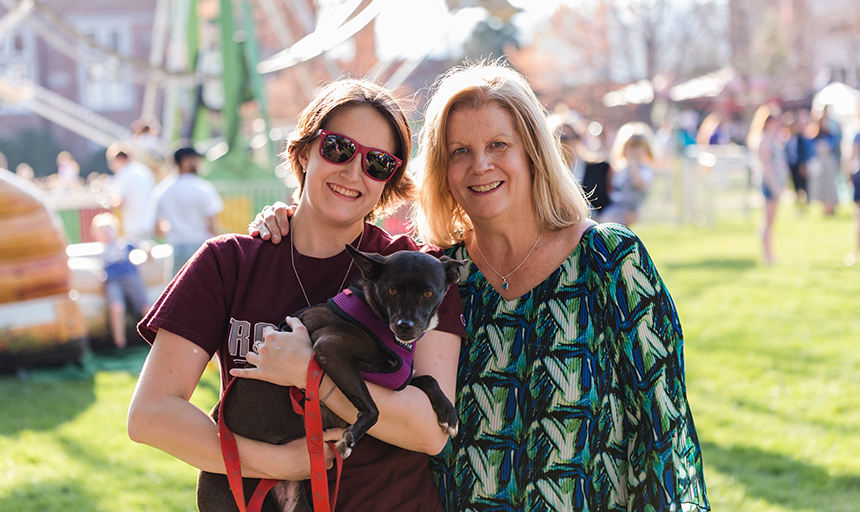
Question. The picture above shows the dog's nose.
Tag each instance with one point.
(405, 325)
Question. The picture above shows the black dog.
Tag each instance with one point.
(404, 290)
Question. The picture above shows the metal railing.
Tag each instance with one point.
(700, 184)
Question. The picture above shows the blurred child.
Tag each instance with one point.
(121, 278)
(764, 141)
(68, 170)
(632, 175)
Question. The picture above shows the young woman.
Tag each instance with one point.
(349, 153)
(764, 140)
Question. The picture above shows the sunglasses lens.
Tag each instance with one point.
(337, 149)
(379, 165)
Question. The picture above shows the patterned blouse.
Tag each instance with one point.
(572, 397)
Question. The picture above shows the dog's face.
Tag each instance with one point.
(406, 288)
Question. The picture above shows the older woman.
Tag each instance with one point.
(570, 386)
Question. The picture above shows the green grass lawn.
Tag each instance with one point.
(773, 363)
(773, 377)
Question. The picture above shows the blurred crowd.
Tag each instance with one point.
(802, 154)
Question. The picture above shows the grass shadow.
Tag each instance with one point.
(42, 405)
(49, 495)
(718, 264)
(784, 481)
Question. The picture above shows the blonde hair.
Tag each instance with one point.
(631, 135)
(760, 119)
(559, 200)
(348, 93)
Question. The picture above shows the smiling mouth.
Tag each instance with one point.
(344, 191)
(485, 188)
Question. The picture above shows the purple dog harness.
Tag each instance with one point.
(352, 308)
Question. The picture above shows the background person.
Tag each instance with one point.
(764, 142)
(632, 161)
(132, 184)
(189, 206)
(236, 288)
(589, 166)
(147, 145)
(122, 281)
(855, 181)
(826, 161)
(797, 155)
(68, 170)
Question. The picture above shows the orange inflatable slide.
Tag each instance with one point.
(40, 323)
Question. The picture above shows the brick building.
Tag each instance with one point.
(47, 60)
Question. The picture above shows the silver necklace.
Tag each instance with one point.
(293, 261)
(505, 278)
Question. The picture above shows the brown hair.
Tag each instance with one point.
(347, 93)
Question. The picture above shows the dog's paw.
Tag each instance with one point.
(451, 430)
(448, 420)
(344, 445)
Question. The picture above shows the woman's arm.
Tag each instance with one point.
(767, 172)
(855, 155)
(660, 441)
(406, 418)
(160, 415)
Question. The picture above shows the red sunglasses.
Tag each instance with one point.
(340, 149)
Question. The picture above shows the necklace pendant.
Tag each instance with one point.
(504, 284)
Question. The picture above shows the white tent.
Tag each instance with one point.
(705, 86)
(842, 101)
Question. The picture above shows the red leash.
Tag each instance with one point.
(307, 405)
(314, 435)
(230, 453)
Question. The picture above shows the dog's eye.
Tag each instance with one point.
(428, 294)
(392, 291)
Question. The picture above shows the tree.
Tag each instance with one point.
(38, 148)
(490, 39)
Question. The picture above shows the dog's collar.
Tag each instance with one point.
(350, 305)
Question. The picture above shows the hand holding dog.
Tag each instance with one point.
(282, 358)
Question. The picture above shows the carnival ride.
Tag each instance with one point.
(51, 303)
(204, 59)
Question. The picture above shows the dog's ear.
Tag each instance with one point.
(452, 274)
(371, 264)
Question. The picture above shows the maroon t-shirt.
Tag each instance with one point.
(235, 285)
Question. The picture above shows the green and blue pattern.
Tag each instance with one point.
(572, 397)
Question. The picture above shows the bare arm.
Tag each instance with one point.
(160, 415)
(855, 156)
(211, 225)
(406, 418)
(766, 159)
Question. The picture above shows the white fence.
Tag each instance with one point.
(700, 184)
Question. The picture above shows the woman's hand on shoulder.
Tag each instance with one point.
(282, 358)
(272, 223)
